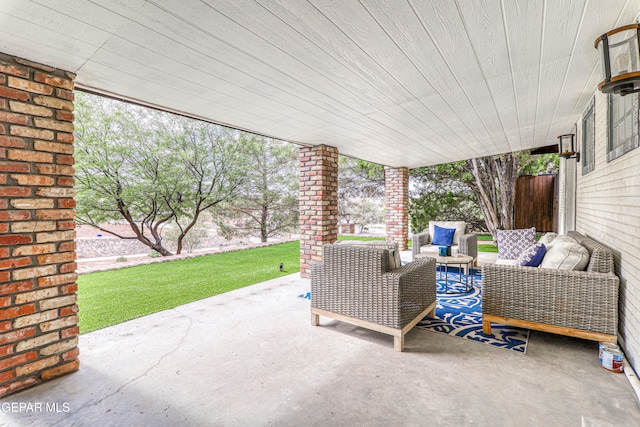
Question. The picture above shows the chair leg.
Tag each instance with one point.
(315, 319)
(398, 342)
(486, 327)
(432, 313)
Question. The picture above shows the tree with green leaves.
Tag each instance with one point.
(360, 190)
(488, 182)
(267, 203)
(192, 239)
(434, 195)
(150, 168)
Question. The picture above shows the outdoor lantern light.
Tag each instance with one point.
(566, 147)
(620, 60)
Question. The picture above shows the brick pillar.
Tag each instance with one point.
(318, 202)
(396, 184)
(38, 311)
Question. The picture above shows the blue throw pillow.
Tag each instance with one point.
(538, 257)
(532, 256)
(442, 236)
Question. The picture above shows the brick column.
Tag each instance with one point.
(318, 202)
(396, 184)
(38, 311)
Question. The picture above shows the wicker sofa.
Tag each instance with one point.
(354, 284)
(581, 304)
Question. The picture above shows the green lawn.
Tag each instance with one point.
(112, 297)
(482, 247)
(486, 247)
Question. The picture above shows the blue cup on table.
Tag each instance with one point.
(443, 250)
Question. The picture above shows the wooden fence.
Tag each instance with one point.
(536, 203)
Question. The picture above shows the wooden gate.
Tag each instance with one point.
(537, 203)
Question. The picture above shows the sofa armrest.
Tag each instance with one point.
(572, 299)
(418, 240)
(468, 245)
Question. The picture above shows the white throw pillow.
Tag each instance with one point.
(548, 238)
(563, 255)
(562, 238)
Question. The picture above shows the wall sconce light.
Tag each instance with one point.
(620, 60)
(567, 147)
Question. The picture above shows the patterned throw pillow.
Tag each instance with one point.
(511, 243)
(532, 256)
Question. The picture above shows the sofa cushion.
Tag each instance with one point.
(443, 236)
(460, 227)
(511, 243)
(563, 255)
(600, 256)
(532, 256)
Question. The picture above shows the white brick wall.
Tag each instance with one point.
(608, 210)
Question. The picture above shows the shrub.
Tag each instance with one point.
(194, 239)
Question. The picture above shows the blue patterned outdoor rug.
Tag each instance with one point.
(460, 315)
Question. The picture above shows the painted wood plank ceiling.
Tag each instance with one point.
(397, 82)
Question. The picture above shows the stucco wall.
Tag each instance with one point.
(608, 210)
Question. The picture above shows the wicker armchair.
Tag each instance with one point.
(466, 243)
(581, 304)
(353, 284)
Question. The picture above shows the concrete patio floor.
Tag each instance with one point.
(251, 358)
